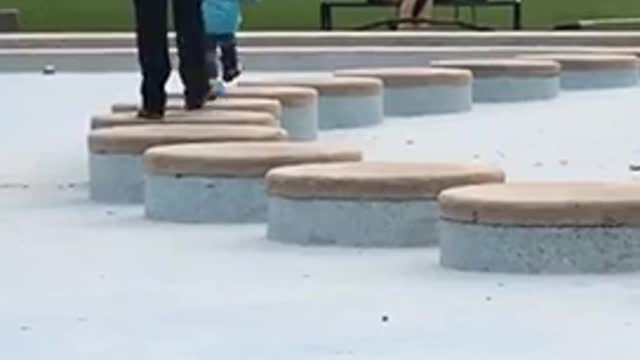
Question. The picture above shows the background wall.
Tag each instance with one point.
(115, 15)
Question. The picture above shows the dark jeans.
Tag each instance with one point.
(228, 54)
(153, 52)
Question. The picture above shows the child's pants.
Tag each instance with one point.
(228, 54)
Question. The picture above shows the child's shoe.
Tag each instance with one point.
(231, 74)
(217, 88)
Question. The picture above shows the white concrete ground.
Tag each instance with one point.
(83, 281)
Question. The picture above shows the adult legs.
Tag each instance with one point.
(190, 38)
(153, 52)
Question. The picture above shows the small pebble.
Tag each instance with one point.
(409, 142)
(634, 167)
(500, 284)
(25, 328)
(538, 164)
(82, 319)
(49, 70)
(306, 276)
(385, 318)
(627, 323)
(564, 162)
(488, 298)
(110, 213)
(476, 156)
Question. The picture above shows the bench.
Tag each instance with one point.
(327, 7)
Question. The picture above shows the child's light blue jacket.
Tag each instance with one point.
(222, 16)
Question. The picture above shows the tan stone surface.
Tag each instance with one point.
(589, 62)
(327, 85)
(289, 96)
(503, 67)
(137, 139)
(412, 76)
(270, 106)
(201, 117)
(241, 159)
(377, 180)
(545, 204)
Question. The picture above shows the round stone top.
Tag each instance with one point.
(270, 106)
(545, 204)
(137, 139)
(587, 62)
(416, 76)
(327, 85)
(377, 180)
(289, 96)
(201, 117)
(241, 159)
(504, 67)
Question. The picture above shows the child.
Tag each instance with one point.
(222, 20)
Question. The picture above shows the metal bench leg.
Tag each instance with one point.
(325, 17)
(517, 16)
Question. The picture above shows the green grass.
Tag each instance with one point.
(115, 15)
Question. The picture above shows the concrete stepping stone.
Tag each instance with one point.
(199, 117)
(593, 71)
(115, 154)
(223, 182)
(270, 106)
(420, 90)
(344, 102)
(509, 80)
(366, 203)
(299, 107)
(581, 227)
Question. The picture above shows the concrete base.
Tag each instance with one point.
(350, 111)
(539, 250)
(300, 122)
(577, 80)
(427, 100)
(515, 89)
(205, 200)
(115, 178)
(353, 222)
